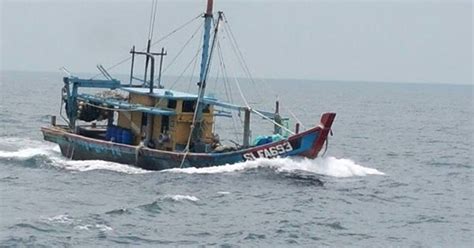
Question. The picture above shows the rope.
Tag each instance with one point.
(137, 152)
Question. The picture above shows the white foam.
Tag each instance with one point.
(182, 198)
(52, 152)
(103, 227)
(62, 218)
(21, 141)
(219, 169)
(89, 165)
(26, 153)
(83, 227)
(329, 166)
(26, 148)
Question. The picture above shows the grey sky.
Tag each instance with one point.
(398, 41)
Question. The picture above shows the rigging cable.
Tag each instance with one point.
(153, 44)
(182, 49)
(194, 68)
(282, 105)
(271, 120)
(194, 59)
(246, 69)
(254, 110)
(224, 73)
(294, 116)
(226, 87)
(151, 26)
(239, 54)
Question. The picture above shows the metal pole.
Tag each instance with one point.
(152, 71)
(161, 64)
(277, 119)
(246, 128)
(146, 61)
(133, 62)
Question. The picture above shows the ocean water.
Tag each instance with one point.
(398, 172)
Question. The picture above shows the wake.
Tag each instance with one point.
(50, 154)
(329, 166)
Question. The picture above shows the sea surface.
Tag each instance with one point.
(398, 173)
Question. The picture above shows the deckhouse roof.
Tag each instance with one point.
(164, 93)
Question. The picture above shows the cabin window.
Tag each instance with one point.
(188, 106)
(171, 104)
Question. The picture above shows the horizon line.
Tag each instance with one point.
(272, 78)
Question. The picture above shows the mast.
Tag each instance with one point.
(196, 131)
(205, 46)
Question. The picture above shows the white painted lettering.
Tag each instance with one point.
(270, 152)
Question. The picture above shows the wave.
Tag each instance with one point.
(44, 153)
(329, 166)
(64, 219)
(181, 198)
(24, 154)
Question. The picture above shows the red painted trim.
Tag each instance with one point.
(326, 122)
(209, 7)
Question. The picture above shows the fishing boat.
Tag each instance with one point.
(145, 124)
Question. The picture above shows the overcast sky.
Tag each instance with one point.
(396, 41)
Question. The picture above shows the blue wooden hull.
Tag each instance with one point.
(79, 147)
